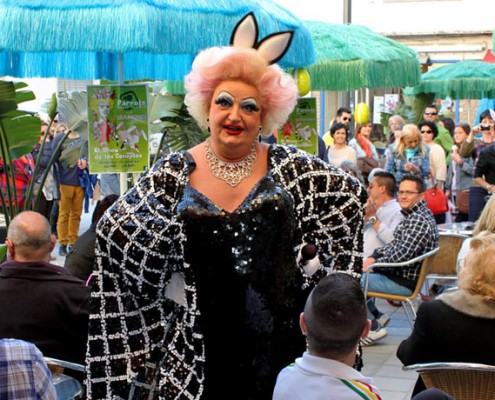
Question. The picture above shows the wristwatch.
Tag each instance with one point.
(489, 187)
(373, 220)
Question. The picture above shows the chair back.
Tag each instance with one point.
(444, 263)
(404, 299)
(463, 381)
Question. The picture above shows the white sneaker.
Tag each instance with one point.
(383, 320)
(374, 336)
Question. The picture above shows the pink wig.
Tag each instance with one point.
(277, 89)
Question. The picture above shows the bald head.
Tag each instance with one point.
(29, 237)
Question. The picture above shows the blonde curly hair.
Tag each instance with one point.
(277, 89)
(478, 275)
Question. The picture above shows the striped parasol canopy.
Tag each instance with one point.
(461, 80)
(146, 39)
(350, 57)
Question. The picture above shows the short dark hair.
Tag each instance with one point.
(335, 315)
(339, 125)
(387, 179)
(431, 106)
(420, 185)
(343, 110)
(430, 125)
(486, 114)
(102, 206)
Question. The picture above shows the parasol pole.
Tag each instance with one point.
(120, 81)
(469, 110)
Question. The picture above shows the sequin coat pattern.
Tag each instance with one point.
(144, 345)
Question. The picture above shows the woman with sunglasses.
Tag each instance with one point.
(438, 165)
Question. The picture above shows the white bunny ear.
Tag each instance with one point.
(245, 33)
(492, 113)
(273, 47)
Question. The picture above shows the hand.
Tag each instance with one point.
(457, 158)
(82, 163)
(370, 209)
(411, 167)
(367, 262)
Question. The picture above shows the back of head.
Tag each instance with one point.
(478, 275)
(102, 206)
(30, 235)
(486, 220)
(335, 315)
(352, 168)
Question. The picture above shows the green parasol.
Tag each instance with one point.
(350, 57)
(461, 80)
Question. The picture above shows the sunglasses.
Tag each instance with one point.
(431, 113)
(428, 131)
(346, 118)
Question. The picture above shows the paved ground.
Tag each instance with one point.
(380, 361)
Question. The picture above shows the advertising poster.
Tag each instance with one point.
(118, 128)
(301, 128)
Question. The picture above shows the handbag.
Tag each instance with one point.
(436, 200)
(462, 201)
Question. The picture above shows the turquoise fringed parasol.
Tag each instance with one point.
(152, 39)
(350, 57)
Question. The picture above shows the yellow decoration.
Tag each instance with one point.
(303, 81)
(362, 113)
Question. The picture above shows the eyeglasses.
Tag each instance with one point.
(430, 113)
(428, 131)
(406, 193)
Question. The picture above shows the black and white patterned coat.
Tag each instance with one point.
(136, 328)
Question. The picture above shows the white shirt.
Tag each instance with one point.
(389, 215)
(318, 378)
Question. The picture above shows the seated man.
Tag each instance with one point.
(47, 306)
(333, 321)
(415, 235)
(383, 212)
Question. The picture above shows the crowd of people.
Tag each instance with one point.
(206, 272)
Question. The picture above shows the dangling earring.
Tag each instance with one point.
(208, 121)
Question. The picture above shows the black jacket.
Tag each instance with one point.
(44, 304)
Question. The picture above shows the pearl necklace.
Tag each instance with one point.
(232, 173)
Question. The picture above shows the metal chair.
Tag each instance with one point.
(405, 300)
(444, 263)
(463, 381)
(67, 387)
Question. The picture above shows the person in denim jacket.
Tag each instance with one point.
(410, 155)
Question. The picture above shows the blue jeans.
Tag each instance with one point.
(477, 201)
(381, 283)
(110, 184)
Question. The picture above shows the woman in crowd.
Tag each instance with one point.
(198, 283)
(410, 155)
(472, 147)
(395, 124)
(459, 324)
(447, 123)
(340, 151)
(461, 170)
(438, 165)
(367, 156)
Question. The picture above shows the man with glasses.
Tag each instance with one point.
(344, 116)
(415, 235)
(444, 138)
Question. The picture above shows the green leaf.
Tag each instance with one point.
(74, 111)
(7, 97)
(3, 251)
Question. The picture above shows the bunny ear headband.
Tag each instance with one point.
(272, 48)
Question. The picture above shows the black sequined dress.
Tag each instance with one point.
(247, 284)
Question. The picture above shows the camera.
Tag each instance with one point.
(484, 127)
